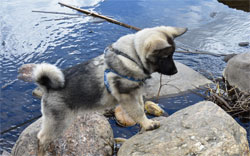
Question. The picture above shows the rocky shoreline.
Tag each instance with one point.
(200, 129)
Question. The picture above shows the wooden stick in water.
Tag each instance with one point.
(52, 12)
(101, 16)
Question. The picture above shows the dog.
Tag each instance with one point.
(118, 78)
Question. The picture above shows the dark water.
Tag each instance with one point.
(169, 105)
(65, 40)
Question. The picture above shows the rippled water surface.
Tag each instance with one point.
(65, 40)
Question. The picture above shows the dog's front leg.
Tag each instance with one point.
(135, 108)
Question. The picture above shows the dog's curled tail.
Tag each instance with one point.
(48, 76)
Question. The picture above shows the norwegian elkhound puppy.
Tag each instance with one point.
(118, 78)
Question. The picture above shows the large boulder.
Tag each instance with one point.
(237, 72)
(203, 129)
(90, 134)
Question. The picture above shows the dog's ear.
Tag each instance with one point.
(155, 43)
(174, 31)
(179, 31)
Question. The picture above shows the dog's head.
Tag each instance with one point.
(155, 47)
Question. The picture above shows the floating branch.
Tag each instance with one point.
(199, 52)
(52, 12)
(100, 16)
(20, 125)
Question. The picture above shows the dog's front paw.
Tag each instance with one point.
(151, 125)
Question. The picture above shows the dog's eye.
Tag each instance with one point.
(156, 51)
(168, 50)
(164, 52)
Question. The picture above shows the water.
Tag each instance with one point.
(65, 40)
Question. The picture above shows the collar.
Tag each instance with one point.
(118, 52)
(109, 70)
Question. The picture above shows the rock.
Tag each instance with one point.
(213, 14)
(123, 118)
(153, 108)
(186, 79)
(203, 129)
(37, 92)
(237, 71)
(90, 134)
(228, 57)
(120, 140)
(26, 72)
(5, 153)
(244, 44)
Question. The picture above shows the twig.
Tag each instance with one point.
(159, 90)
(9, 83)
(100, 16)
(161, 85)
(52, 12)
(199, 52)
(222, 100)
(24, 123)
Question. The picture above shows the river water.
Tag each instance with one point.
(71, 38)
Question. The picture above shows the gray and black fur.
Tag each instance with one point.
(81, 88)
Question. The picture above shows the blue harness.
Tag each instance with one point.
(106, 83)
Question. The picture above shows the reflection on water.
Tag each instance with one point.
(65, 40)
(237, 4)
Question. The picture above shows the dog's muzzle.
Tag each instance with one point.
(167, 66)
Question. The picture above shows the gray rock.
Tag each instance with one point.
(203, 129)
(186, 79)
(243, 44)
(90, 135)
(237, 71)
(228, 57)
(5, 153)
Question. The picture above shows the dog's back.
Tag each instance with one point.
(83, 85)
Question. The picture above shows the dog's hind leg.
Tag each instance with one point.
(54, 122)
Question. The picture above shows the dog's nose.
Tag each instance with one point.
(174, 71)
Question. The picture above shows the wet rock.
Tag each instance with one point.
(37, 92)
(153, 108)
(237, 71)
(203, 129)
(26, 72)
(120, 140)
(228, 57)
(3, 43)
(186, 79)
(123, 118)
(213, 14)
(90, 134)
(244, 44)
(5, 153)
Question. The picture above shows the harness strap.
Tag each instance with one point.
(106, 82)
(118, 52)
